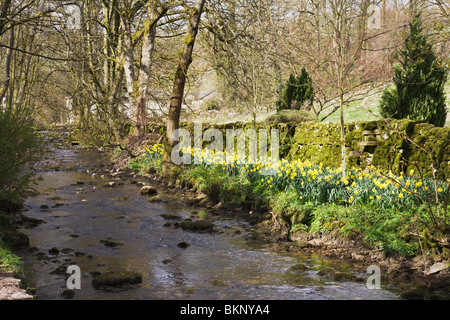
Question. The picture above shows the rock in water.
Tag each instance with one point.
(68, 294)
(111, 184)
(183, 245)
(116, 279)
(148, 190)
(196, 226)
(155, 199)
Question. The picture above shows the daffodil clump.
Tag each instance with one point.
(152, 158)
(154, 154)
(317, 184)
(381, 206)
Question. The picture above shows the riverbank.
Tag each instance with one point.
(11, 289)
(12, 244)
(420, 277)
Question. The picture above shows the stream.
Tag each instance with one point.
(101, 229)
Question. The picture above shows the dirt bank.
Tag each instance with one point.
(10, 288)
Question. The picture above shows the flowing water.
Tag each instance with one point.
(102, 229)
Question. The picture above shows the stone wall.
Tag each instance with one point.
(397, 145)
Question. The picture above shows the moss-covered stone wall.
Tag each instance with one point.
(397, 145)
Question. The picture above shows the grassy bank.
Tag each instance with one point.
(9, 262)
(402, 215)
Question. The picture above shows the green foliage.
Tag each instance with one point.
(20, 146)
(8, 260)
(327, 218)
(379, 228)
(218, 185)
(419, 78)
(297, 91)
(293, 209)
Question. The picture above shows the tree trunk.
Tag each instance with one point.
(3, 15)
(148, 46)
(173, 121)
(138, 87)
(342, 122)
(5, 85)
(128, 64)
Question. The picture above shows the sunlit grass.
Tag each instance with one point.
(9, 262)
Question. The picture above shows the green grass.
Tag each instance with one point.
(366, 109)
(9, 262)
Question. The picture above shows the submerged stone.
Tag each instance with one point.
(117, 279)
(326, 272)
(198, 226)
(299, 267)
(218, 283)
(154, 199)
(53, 251)
(183, 245)
(68, 294)
(111, 243)
(171, 216)
(346, 276)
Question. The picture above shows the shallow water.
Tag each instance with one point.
(225, 264)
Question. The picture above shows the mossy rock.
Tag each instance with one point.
(326, 272)
(196, 226)
(171, 216)
(219, 283)
(117, 279)
(154, 199)
(299, 267)
(346, 276)
(68, 294)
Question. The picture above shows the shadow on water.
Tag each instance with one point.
(102, 229)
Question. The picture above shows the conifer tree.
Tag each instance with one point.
(298, 90)
(419, 80)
